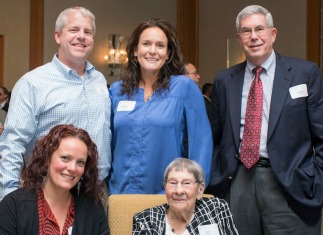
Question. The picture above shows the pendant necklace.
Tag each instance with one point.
(147, 98)
(171, 225)
(172, 222)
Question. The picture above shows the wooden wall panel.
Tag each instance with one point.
(36, 46)
(1, 58)
(188, 29)
(313, 48)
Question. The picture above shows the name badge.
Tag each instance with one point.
(126, 105)
(298, 91)
(210, 229)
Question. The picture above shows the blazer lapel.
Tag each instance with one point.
(234, 97)
(282, 81)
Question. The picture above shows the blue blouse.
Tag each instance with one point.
(148, 136)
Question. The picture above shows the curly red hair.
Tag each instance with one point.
(33, 173)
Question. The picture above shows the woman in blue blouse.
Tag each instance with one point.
(154, 108)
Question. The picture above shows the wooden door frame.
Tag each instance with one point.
(1, 59)
(313, 31)
(36, 44)
(188, 29)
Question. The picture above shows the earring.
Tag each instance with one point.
(21, 183)
(78, 188)
(44, 180)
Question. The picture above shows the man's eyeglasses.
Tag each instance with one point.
(259, 30)
(185, 184)
(195, 73)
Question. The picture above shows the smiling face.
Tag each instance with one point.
(67, 165)
(152, 51)
(181, 198)
(76, 40)
(257, 47)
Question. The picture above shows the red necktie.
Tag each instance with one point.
(250, 145)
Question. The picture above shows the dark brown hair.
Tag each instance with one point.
(173, 66)
(38, 164)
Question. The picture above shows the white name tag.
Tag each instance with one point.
(126, 105)
(298, 91)
(210, 229)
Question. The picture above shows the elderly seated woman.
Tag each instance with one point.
(186, 212)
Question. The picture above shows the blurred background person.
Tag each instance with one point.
(60, 192)
(4, 103)
(191, 72)
(207, 91)
(187, 211)
(3, 115)
(4, 98)
(152, 107)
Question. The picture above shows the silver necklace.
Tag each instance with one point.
(171, 221)
(147, 98)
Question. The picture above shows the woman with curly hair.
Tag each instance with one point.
(154, 108)
(60, 190)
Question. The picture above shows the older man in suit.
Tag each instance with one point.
(268, 135)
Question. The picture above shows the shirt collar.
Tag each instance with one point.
(268, 65)
(207, 98)
(89, 68)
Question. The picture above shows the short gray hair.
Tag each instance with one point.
(62, 18)
(185, 64)
(251, 10)
(181, 164)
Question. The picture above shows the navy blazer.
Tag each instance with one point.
(294, 139)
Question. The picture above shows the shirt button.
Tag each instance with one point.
(230, 178)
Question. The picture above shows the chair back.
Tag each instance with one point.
(122, 207)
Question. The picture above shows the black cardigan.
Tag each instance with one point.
(19, 215)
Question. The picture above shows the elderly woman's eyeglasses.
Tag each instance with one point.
(259, 30)
(185, 184)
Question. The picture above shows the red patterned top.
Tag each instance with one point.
(47, 222)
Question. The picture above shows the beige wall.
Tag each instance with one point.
(14, 25)
(217, 23)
